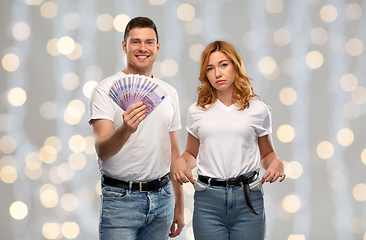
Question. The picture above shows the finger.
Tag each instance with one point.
(265, 175)
(133, 107)
(189, 176)
(283, 176)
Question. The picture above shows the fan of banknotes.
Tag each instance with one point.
(132, 89)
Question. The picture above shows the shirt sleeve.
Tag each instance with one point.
(175, 124)
(100, 105)
(265, 127)
(192, 126)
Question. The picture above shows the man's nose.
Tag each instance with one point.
(143, 47)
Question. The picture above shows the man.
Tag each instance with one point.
(134, 152)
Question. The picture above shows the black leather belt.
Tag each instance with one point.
(234, 182)
(141, 186)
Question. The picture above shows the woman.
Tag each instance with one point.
(229, 133)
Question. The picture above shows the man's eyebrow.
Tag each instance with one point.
(135, 39)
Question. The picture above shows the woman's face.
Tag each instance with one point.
(221, 72)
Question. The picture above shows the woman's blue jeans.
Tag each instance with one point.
(131, 215)
(222, 213)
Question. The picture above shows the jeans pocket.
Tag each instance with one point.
(167, 190)
(256, 185)
(114, 193)
(199, 187)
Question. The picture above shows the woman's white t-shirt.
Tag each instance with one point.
(228, 137)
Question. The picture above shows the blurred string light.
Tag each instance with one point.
(274, 6)
(10, 62)
(157, 2)
(49, 9)
(21, 31)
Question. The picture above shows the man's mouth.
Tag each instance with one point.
(142, 56)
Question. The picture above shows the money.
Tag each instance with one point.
(133, 88)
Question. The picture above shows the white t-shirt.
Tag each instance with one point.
(228, 137)
(147, 153)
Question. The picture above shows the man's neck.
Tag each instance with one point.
(147, 73)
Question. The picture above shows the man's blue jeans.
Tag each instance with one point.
(222, 213)
(131, 215)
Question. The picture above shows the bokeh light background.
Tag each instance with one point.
(306, 59)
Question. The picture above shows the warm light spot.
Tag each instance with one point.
(351, 110)
(7, 160)
(52, 47)
(48, 110)
(250, 41)
(65, 171)
(8, 174)
(33, 160)
(282, 37)
(274, 6)
(354, 11)
(33, 2)
(157, 2)
(70, 81)
(98, 188)
(169, 67)
(314, 59)
(10, 62)
(89, 87)
(49, 10)
(105, 22)
(54, 175)
(274, 74)
(7, 144)
(296, 237)
(21, 31)
(69, 202)
(51, 231)
(293, 170)
(5, 122)
(77, 143)
(70, 230)
(288, 96)
(267, 65)
(54, 142)
(319, 36)
(48, 154)
(188, 188)
(193, 27)
(325, 150)
(32, 172)
(120, 22)
(185, 12)
(86, 198)
(189, 233)
(363, 156)
(17, 96)
(357, 225)
(354, 47)
(328, 13)
(93, 73)
(76, 54)
(345, 137)
(286, 133)
(195, 52)
(359, 192)
(291, 203)
(48, 195)
(156, 72)
(18, 210)
(349, 82)
(90, 147)
(77, 161)
(187, 215)
(66, 45)
(76, 108)
(72, 21)
(359, 95)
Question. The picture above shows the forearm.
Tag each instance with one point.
(110, 145)
(190, 159)
(268, 159)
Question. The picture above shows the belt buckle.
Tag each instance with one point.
(140, 186)
(230, 182)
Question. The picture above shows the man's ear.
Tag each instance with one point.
(158, 47)
(124, 46)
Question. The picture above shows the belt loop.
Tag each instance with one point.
(130, 187)
(209, 182)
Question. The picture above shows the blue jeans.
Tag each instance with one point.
(222, 213)
(131, 215)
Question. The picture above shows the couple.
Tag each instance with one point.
(229, 139)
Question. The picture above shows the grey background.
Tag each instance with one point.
(328, 208)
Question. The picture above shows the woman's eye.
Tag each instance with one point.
(224, 65)
(209, 69)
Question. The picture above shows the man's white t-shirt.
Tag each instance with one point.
(228, 137)
(147, 153)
